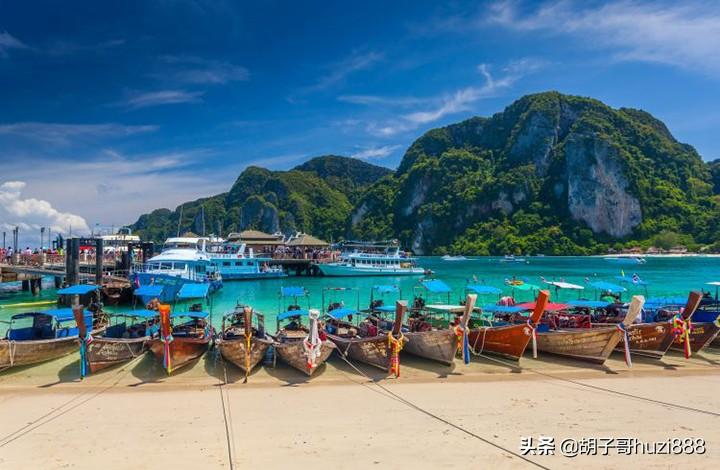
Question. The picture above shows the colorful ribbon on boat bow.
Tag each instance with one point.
(84, 342)
(626, 342)
(533, 334)
(463, 343)
(312, 345)
(167, 363)
(395, 345)
(682, 327)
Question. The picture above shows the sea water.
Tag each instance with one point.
(665, 276)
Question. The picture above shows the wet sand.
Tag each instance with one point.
(134, 416)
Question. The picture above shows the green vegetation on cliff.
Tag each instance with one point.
(551, 174)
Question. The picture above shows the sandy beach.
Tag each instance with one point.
(432, 416)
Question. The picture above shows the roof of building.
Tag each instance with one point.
(307, 240)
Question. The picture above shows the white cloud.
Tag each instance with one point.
(62, 134)
(683, 34)
(196, 70)
(458, 101)
(30, 214)
(375, 152)
(163, 97)
(8, 41)
(339, 71)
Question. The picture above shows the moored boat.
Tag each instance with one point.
(500, 331)
(184, 337)
(372, 259)
(364, 341)
(586, 344)
(303, 347)
(125, 338)
(35, 337)
(241, 342)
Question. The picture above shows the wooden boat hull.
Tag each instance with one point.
(23, 353)
(586, 344)
(107, 352)
(293, 353)
(508, 341)
(701, 335)
(648, 339)
(235, 350)
(372, 351)
(182, 350)
(436, 345)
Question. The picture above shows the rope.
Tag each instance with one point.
(473, 349)
(395, 396)
(227, 418)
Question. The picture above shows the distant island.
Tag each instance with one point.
(551, 174)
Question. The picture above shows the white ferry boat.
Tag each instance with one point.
(234, 262)
(183, 260)
(372, 259)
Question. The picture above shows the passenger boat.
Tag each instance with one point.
(501, 331)
(241, 342)
(654, 335)
(125, 339)
(364, 341)
(584, 343)
(235, 262)
(303, 347)
(372, 259)
(182, 261)
(432, 328)
(184, 337)
(35, 337)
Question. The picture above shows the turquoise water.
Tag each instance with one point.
(665, 276)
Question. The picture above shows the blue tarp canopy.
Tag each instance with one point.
(193, 291)
(292, 313)
(149, 291)
(386, 289)
(138, 313)
(436, 286)
(588, 303)
(501, 309)
(607, 286)
(663, 301)
(292, 291)
(342, 312)
(483, 289)
(60, 314)
(630, 280)
(190, 314)
(80, 289)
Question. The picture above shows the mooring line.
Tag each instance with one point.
(412, 405)
(28, 428)
(226, 416)
(608, 390)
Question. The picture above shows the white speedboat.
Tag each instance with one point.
(625, 259)
(453, 258)
(183, 260)
(372, 259)
(512, 259)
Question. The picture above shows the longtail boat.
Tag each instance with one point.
(432, 330)
(35, 337)
(587, 344)
(508, 337)
(241, 342)
(365, 341)
(184, 337)
(653, 336)
(303, 347)
(125, 339)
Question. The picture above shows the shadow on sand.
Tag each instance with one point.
(291, 376)
(150, 371)
(442, 371)
(67, 374)
(552, 359)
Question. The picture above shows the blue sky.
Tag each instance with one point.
(111, 110)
